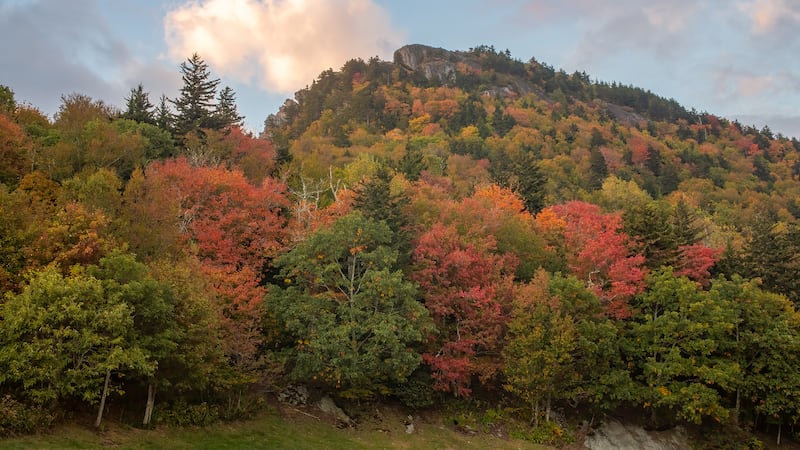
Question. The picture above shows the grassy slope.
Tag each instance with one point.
(269, 431)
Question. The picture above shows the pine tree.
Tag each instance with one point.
(195, 105)
(598, 169)
(163, 116)
(376, 202)
(226, 113)
(139, 107)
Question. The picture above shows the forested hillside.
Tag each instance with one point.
(447, 225)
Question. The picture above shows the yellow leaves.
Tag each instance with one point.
(357, 249)
(664, 391)
(416, 124)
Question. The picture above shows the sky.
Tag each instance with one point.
(734, 58)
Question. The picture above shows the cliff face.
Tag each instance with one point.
(441, 65)
(434, 63)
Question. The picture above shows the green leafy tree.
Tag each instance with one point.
(767, 345)
(353, 320)
(541, 342)
(7, 103)
(561, 347)
(154, 330)
(681, 336)
(64, 337)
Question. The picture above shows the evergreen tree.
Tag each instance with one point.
(412, 163)
(163, 116)
(138, 106)
(195, 104)
(376, 202)
(598, 169)
(521, 174)
(226, 113)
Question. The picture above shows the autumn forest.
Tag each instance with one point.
(447, 226)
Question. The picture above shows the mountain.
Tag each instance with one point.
(430, 97)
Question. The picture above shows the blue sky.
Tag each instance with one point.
(735, 58)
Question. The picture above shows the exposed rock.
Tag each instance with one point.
(614, 435)
(413, 56)
(432, 62)
(278, 120)
(294, 395)
(624, 115)
(327, 405)
(410, 425)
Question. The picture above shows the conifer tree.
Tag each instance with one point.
(162, 115)
(138, 106)
(226, 113)
(195, 105)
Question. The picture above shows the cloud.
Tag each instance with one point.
(282, 45)
(767, 15)
(51, 48)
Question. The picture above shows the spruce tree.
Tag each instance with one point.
(138, 106)
(162, 115)
(195, 105)
(226, 113)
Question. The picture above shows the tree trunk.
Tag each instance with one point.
(536, 415)
(738, 406)
(547, 409)
(780, 425)
(151, 400)
(103, 400)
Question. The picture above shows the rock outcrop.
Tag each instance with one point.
(615, 435)
(434, 63)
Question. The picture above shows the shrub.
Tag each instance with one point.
(19, 418)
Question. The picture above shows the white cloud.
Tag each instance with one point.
(282, 45)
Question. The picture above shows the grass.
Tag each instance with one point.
(269, 431)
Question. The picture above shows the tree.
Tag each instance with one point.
(154, 329)
(163, 116)
(352, 319)
(373, 197)
(195, 105)
(14, 151)
(226, 113)
(539, 362)
(63, 338)
(597, 251)
(467, 289)
(138, 106)
(772, 253)
(234, 229)
(681, 337)
(767, 341)
(520, 172)
(7, 103)
(560, 347)
(598, 169)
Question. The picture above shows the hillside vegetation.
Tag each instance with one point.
(447, 225)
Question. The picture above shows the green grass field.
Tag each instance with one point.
(269, 431)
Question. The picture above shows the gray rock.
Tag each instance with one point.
(328, 406)
(614, 435)
(296, 395)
